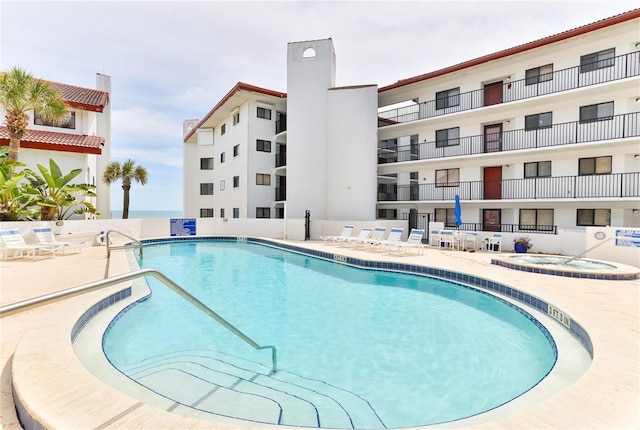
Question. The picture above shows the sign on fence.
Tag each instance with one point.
(183, 226)
(628, 237)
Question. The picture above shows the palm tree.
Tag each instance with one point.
(20, 92)
(126, 171)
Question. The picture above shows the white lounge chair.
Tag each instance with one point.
(11, 241)
(346, 232)
(447, 239)
(394, 237)
(45, 236)
(414, 241)
(493, 243)
(434, 238)
(470, 241)
(364, 234)
(376, 236)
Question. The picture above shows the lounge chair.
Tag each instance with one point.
(493, 243)
(12, 241)
(470, 240)
(447, 239)
(346, 232)
(394, 237)
(434, 238)
(377, 235)
(414, 241)
(45, 236)
(363, 235)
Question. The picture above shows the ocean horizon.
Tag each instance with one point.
(147, 214)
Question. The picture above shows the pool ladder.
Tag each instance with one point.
(97, 285)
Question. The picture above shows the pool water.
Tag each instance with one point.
(365, 348)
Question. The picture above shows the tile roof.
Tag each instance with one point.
(603, 23)
(82, 98)
(64, 142)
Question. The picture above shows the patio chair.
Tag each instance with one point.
(447, 239)
(470, 240)
(12, 241)
(346, 232)
(414, 241)
(376, 236)
(364, 234)
(493, 243)
(44, 236)
(434, 238)
(394, 237)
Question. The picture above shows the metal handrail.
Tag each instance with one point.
(93, 286)
(138, 244)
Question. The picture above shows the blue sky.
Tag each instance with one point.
(171, 61)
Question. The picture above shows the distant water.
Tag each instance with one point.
(147, 214)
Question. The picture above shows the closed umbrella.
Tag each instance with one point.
(458, 211)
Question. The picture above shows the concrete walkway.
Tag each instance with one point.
(607, 396)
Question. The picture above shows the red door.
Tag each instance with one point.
(493, 183)
(493, 138)
(493, 93)
(491, 219)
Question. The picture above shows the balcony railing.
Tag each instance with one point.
(281, 123)
(621, 67)
(281, 194)
(616, 185)
(569, 133)
(281, 159)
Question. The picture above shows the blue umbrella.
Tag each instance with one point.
(458, 211)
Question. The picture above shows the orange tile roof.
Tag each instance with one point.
(82, 98)
(53, 141)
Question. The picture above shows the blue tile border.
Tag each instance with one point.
(97, 308)
(567, 273)
(466, 279)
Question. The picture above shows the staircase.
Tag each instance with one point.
(226, 385)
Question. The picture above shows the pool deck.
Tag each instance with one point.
(607, 396)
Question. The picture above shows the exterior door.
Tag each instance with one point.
(493, 93)
(493, 183)
(491, 220)
(493, 138)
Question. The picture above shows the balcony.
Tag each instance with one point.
(281, 194)
(615, 127)
(621, 67)
(616, 185)
(281, 122)
(281, 159)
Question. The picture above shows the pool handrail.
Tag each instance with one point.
(137, 243)
(96, 285)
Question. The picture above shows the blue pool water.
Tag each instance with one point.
(356, 348)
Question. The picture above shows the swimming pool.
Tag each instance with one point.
(356, 348)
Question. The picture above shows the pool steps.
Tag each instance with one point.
(225, 385)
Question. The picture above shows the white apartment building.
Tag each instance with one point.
(83, 141)
(536, 138)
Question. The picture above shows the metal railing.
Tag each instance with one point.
(281, 159)
(97, 285)
(281, 194)
(281, 122)
(137, 244)
(569, 133)
(620, 67)
(616, 185)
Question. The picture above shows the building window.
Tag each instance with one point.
(236, 181)
(206, 189)
(280, 213)
(221, 213)
(539, 120)
(599, 112)
(536, 219)
(222, 185)
(223, 129)
(263, 212)
(594, 217)
(236, 212)
(387, 213)
(448, 178)
(69, 120)
(445, 215)
(236, 150)
(597, 60)
(264, 113)
(539, 74)
(263, 145)
(448, 98)
(263, 179)
(594, 166)
(236, 118)
(448, 137)
(206, 164)
(538, 169)
(206, 213)
(222, 157)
